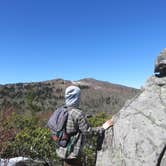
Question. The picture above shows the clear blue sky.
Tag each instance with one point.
(110, 40)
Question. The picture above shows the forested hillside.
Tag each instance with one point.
(26, 107)
(46, 96)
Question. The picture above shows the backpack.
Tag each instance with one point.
(57, 125)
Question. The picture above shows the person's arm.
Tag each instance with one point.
(85, 128)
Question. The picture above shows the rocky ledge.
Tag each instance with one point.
(138, 137)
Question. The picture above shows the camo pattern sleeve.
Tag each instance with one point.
(78, 121)
(85, 128)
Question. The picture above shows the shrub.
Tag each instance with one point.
(34, 143)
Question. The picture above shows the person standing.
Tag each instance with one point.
(77, 127)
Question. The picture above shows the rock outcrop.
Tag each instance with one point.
(21, 161)
(138, 137)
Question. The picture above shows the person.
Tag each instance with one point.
(160, 64)
(77, 124)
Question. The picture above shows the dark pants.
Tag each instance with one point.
(73, 162)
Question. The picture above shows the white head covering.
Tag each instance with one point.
(72, 96)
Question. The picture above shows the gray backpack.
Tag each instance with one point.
(57, 125)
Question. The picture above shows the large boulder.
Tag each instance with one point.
(138, 137)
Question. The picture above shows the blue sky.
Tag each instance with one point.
(110, 40)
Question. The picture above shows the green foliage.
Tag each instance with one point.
(21, 122)
(31, 140)
(83, 86)
(34, 143)
(30, 98)
(45, 96)
(89, 150)
(23, 133)
(7, 132)
(99, 119)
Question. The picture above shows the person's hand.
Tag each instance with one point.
(107, 124)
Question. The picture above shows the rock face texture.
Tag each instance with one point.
(20, 161)
(138, 137)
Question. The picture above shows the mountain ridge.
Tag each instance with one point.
(90, 79)
(47, 95)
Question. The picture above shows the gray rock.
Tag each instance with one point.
(21, 161)
(138, 137)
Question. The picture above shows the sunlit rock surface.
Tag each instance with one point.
(138, 137)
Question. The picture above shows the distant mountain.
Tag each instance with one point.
(46, 96)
